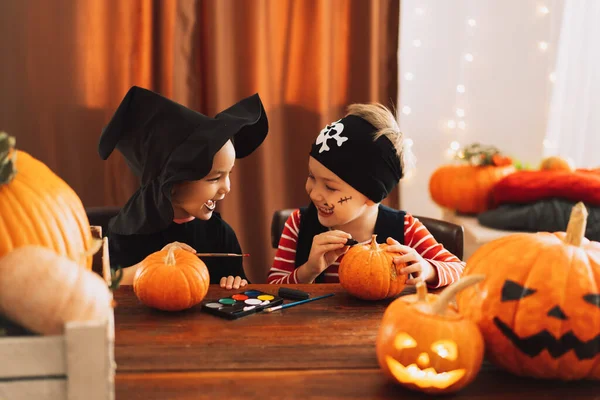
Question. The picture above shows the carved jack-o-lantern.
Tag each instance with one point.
(425, 345)
(539, 309)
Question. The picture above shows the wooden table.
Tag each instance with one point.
(319, 350)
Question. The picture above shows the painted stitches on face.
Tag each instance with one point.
(344, 199)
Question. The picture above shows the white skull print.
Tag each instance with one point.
(331, 131)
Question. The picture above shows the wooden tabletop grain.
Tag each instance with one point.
(320, 350)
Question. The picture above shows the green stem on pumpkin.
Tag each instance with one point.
(170, 259)
(8, 158)
(441, 304)
(421, 291)
(115, 278)
(577, 225)
(374, 245)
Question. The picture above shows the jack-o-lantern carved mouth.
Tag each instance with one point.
(424, 378)
(534, 344)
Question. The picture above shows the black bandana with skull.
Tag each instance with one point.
(346, 147)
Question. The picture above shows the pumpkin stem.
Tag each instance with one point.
(577, 225)
(8, 158)
(421, 292)
(115, 278)
(170, 259)
(374, 242)
(440, 306)
(95, 246)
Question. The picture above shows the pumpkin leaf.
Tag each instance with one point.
(115, 278)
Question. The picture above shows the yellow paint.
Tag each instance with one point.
(264, 297)
(423, 378)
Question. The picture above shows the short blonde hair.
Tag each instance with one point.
(384, 121)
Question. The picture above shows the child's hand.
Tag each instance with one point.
(230, 282)
(180, 245)
(421, 269)
(326, 248)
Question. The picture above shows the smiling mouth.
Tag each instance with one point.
(425, 378)
(544, 340)
(324, 210)
(210, 205)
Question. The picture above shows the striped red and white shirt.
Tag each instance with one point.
(449, 267)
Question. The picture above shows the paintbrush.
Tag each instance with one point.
(296, 303)
(222, 255)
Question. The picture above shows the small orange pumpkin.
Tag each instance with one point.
(539, 309)
(368, 272)
(425, 345)
(171, 280)
(39, 208)
(467, 187)
(557, 163)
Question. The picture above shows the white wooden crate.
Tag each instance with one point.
(78, 365)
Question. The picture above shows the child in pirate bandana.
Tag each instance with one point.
(184, 160)
(353, 165)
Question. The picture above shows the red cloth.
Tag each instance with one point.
(530, 186)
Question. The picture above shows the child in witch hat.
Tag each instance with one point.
(184, 160)
(354, 164)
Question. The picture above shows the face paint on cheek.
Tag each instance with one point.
(344, 199)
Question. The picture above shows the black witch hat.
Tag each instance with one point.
(164, 143)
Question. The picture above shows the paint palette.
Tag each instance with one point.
(241, 304)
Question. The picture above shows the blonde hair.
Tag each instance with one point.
(384, 121)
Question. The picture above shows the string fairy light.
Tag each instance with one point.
(468, 57)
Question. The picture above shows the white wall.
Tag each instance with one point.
(508, 84)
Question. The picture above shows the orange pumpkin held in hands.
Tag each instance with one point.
(369, 273)
(39, 208)
(171, 280)
(539, 309)
(467, 187)
(424, 344)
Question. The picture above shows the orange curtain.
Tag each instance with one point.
(67, 64)
(308, 60)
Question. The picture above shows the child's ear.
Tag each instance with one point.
(370, 202)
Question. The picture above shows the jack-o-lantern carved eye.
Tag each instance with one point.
(593, 299)
(404, 341)
(446, 349)
(513, 291)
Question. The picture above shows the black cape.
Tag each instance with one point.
(213, 235)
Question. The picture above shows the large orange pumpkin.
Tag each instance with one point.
(171, 280)
(425, 345)
(467, 187)
(369, 273)
(539, 309)
(39, 208)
